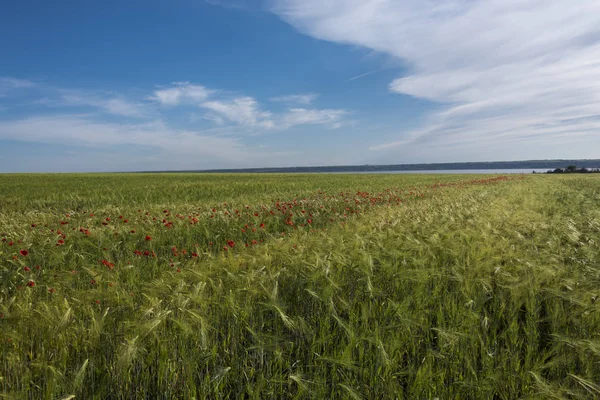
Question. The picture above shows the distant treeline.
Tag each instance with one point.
(572, 169)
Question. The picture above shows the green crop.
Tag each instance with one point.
(198, 286)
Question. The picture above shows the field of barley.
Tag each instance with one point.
(277, 286)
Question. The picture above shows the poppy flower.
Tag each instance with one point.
(30, 284)
(231, 243)
(26, 269)
(148, 238)
(24, 252)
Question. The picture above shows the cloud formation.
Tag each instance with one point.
(8, 83)
(156, 143)
(181, 93)
(508, 73)
(243, 111)
(217, 139)
(111, 104)
(305, 99)
(302, 116)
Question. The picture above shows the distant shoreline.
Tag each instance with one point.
(537, 165)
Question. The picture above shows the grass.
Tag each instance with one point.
(399, 286)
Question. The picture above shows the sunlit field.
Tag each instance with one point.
(181, 286)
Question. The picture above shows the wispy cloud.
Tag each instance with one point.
(8, 84)
(181, 93)
(510, 74)
(242, 111)
(365, 74)
(301, 116)
(111, 104)
(180, 148)
(305, 99)
(245, 111)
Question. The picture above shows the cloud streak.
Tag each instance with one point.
(304, 99)
(174, 148)
(8, 84)
(115, 105)
(509, 74)
(181, 93)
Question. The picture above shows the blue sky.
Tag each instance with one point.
(195, 84)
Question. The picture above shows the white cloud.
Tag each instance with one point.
(8, 84)
(82, 130)
(510, 74)
(112, 105)
(245, 112)
(176, 148)
(242, 111)
(301, 116)
(306, 98)
(181, 93)
(15, 83)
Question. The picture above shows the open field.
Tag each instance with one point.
(299, 286)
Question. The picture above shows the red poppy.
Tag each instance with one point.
(31, 284)
(24, 252)
(231, 243)
(148, 238)
(26, 269)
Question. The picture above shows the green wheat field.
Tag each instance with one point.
(285, 286)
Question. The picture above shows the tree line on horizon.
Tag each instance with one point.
(572, 169)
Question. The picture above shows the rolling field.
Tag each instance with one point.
(141, 286)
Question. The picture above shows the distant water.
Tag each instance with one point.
(451, 171)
